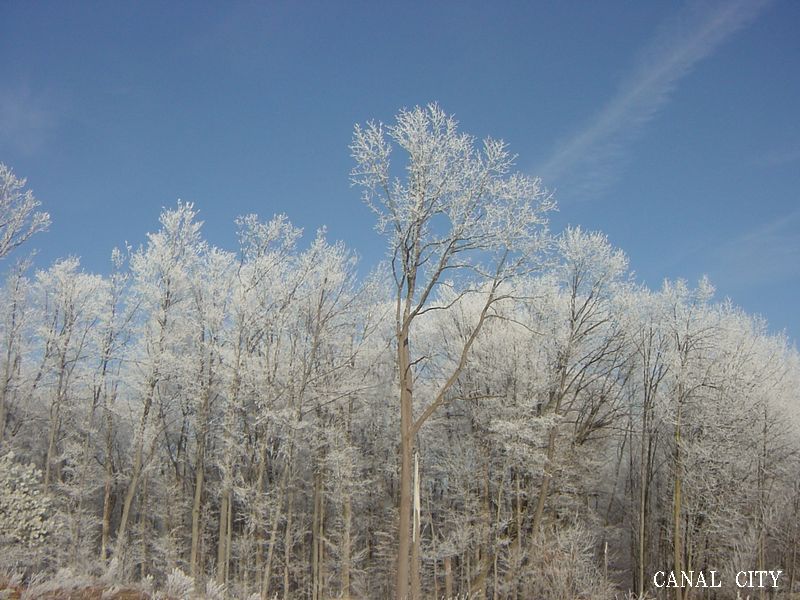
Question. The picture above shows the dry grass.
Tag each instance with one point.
(88, 593)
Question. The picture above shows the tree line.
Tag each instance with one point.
(495, 411)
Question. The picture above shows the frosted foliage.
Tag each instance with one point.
(159, 265)
(457, 198)
(590, 262)
(258, 239)
(566, 569)
(64, 583)
(24, 509)
(178, 585)
(19, 218)
(214, 591)
(212, 423)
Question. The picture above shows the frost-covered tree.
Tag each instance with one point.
(19, 219)
(459, 219)
(16, 312)
(160, 284)
(224, 422)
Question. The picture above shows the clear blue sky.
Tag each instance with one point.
(673, 127)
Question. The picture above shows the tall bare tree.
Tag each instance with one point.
(459, 218)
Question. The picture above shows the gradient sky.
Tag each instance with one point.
(672, 127)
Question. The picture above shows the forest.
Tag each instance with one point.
(496, 410)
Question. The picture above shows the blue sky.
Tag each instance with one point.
(672, 127)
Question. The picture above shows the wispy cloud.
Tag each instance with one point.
(768, 253)
(593, 156)
(25, 121)
(778, 158)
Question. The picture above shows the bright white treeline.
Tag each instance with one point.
(235, 414)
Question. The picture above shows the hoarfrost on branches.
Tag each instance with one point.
(19, 219)
(26, 512)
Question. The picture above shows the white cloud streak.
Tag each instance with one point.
(25, 122)
(767, 254)
(593, 156)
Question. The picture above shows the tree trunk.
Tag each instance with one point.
(197, 511)
(229, 536)
(287, 545)
(55, 419)
(762, 500)
(483, 555)
(448, 577)
(200, 470)
(677, 544)
(544, 489)
(257, 517)
(4, 389)
(644, 482)
(108, 498)
(317, 544)
(345, 549)
(346, 546)
(12, 355)
(136, 471)
(793, 561)
(143, 530)
(416, 562)
(274, 532)
(222, 541)
(226, 501)
(406, 469)
(516, 563)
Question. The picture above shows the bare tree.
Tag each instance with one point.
(19, 219)
(458, 219)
